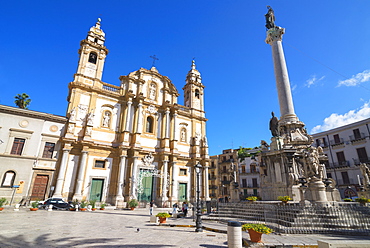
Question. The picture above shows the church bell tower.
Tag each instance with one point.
(193, 90)
(92, 55)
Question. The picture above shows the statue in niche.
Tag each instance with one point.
(72, 114)
(148, 159)
(90, 118)
(183, 135)
(270, 18)
(365, 170)
(274, 125)
(205, 142)
(152, 91)
(106, 119)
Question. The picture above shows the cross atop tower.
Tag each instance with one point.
(154, 59)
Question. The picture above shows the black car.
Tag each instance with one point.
(57, 203)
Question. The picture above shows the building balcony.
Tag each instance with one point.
(250, 172)
(342, 164)
(250, 186)
(361, 160)
(337, 142)
(354, 138)
(225, 182)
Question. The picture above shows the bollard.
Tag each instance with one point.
(50, 208)
(16, 208)
(234, 234)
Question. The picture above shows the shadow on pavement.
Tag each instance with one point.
(43, 241)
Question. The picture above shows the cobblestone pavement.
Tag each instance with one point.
(108, 228)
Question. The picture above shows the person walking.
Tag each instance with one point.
(174, 210)
(151, 206)
(185, 208)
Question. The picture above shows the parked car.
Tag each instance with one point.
(57, 203)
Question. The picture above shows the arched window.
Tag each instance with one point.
(149, 124)
(106, 118)
(197, 93)
(8, 179)
(93, 57)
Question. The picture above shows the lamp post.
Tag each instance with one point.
(198, 222)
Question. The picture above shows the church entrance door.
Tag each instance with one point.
(39, 187)
(96, 189)
(145, 193)
(183, 192)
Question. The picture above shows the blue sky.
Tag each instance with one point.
(326, 47)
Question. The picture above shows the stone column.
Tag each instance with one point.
(164, 184)
(139, 119)
(80, 178)
(121, 179)
(206, 184)
(128, 116)
(174, 183)
(167, 130)
(58, 192)
(134, 178)
(274, 38)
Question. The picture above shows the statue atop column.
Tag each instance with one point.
(270, 18)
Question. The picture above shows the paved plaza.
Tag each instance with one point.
(125, 228)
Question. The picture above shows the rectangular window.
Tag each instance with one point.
(345, 177)
(48, 150)
(254, 182)
(341, 158)
(356, 133)
(183, 172)
(324, 142)
(244, 183)
(336, 138)
(317, 142)
(362, 155)
(243, 169)
(18, 145)
(99, 164)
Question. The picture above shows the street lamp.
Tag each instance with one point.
(198, 222)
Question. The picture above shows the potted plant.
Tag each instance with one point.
(73, 205)
(162, 217)
(102, 206)
(83, 205)
(92, 203)
(2, 202)
(284, 199)
(133, 204)
(362, 200)
(256, 230)
(34, 206)
(347, 200)
(252, 198)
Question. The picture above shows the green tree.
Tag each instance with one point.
(246, 152)
(22, 100)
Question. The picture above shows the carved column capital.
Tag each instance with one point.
(274, 34)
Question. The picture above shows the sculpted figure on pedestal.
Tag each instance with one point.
(270, 18)
(365, 173)
(274, 125)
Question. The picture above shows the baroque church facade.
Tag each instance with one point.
(132, 141)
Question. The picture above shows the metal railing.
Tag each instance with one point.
(338, 218)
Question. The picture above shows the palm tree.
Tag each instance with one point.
(22, 101)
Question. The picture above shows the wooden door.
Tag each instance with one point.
(182, 192)
(96, 189)
(39, 187)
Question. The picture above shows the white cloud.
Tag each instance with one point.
(313, 80)
(336, 120)
(356, 79)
